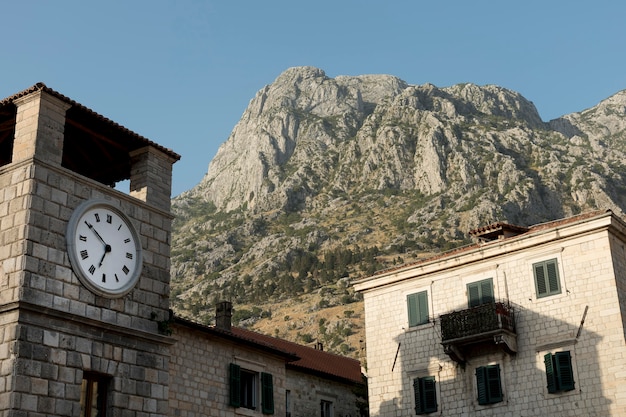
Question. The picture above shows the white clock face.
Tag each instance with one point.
(104, 249)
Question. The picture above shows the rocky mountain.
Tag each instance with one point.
(328, 179)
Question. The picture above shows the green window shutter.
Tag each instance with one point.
(417, 305)
(547, 278)
(267, 393)
(429, 394)
(488, 384)
(493, 384)
(540, 280)
(550, 374)
(473, 294)
(412, 304)
(417, 394)
(481, 384)
(422, 298)
(553, 277)
(563, 365)
(425, 395)
(235, 385)
(486, 291)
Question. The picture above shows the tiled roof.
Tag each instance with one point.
(303, 358)
(313, 360)
(124, 131)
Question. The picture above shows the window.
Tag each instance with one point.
(488, 384)
(417, 305)
(93, 395)
(559, 373)
(287, 403)
(425, 395)
(244, 389)
(326, 408)
(480, 292)
(546, 278)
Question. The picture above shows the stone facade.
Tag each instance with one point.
(200, 381)
(584, 318)
(53, 331)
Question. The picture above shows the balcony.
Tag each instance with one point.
(487, 324)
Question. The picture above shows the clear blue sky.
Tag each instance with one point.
(181, 72)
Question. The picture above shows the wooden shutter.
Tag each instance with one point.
(481, 385)
(412, 305)
(425, 394)
(488, 384)
(486, 291)
(473, 294)
(267, 393)
(563, 366)
(553, 277)
(493, 384)
(550, 373)
(417, 305)
(429, 394)
(235, 385)
(547, 278)
(417, 394)
(540, 280)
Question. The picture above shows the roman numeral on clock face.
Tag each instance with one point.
(125, 270)
(109, 218)
(126, 240)
(82, 238)
(92, 269)
(84, 254)
(129, 255)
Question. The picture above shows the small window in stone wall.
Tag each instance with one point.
(94, 395)
(244, 389)
(326, 408)
(489, 384)
(559, 372)
(425, 395)
(547, 280)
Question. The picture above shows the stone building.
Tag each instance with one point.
(85, 325)
(305, 381)
(526, 322)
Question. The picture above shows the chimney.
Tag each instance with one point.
(223, 315)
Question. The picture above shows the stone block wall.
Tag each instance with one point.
(50, 364)
(307, 391)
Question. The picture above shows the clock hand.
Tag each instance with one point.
(107, 249)
(97, 234)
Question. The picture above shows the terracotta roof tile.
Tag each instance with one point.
(42, 87)
(311, 359)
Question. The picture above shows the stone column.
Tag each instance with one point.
(151, 176)
(39, 128)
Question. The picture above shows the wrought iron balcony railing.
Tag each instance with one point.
(483, 320)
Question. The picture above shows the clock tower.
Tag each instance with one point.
(84, 267)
